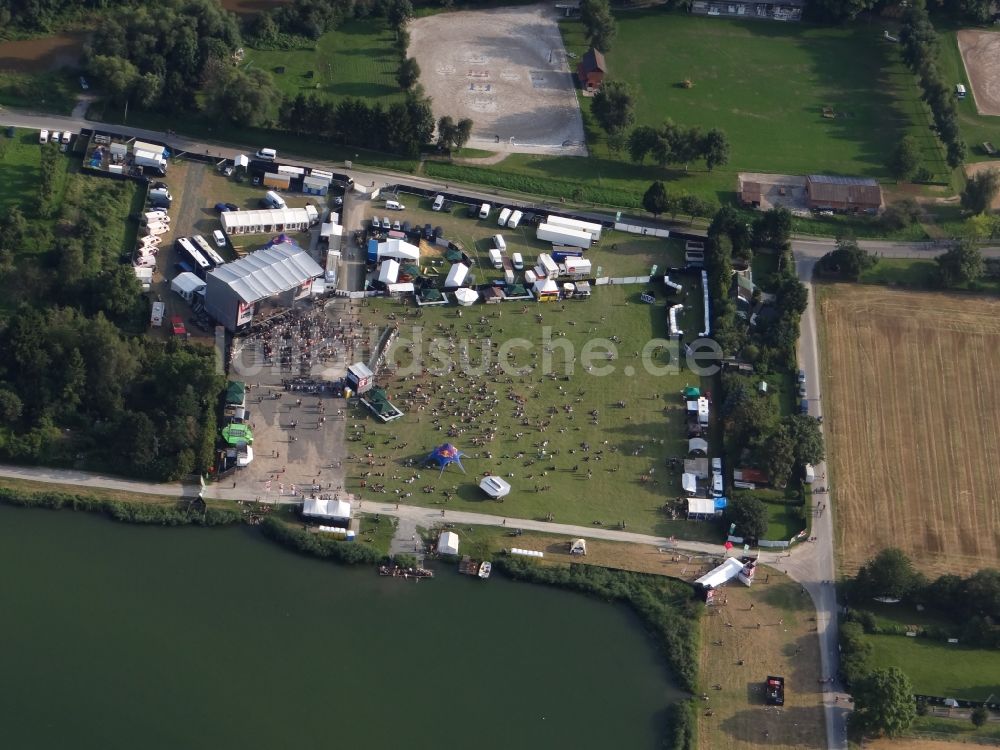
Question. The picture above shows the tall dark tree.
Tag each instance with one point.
(599, 23)
(980, 191)
(715, 149)
(905, 158)
(408, 73)
(641, 142)
(889, 574)
(749, 514)
(962, 263)
(613, 106)
(655, 199)
(883, 703)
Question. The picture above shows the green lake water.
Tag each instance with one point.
(115, 636)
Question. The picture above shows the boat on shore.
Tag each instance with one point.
(398, 571)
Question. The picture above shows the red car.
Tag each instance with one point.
(177, 325)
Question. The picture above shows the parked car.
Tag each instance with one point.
(802, 376)
(177, 325)
(376, 224)
(438, 203)
(804, 406)
(158, 186)
(394, 205)
(386, 223)
(222, 208)
(219, 237)
(83, 83)
(396, 225)
(43, 136)
(428, 232)
(232, 207)
(406, 228)
(66, 136)
(802, 390)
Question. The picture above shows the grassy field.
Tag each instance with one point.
(54, 91)
(940, 668)
(540, 441)
(785, 645)
(975, 127)
(618, 253)
(356, 60)
(20, 169)
(917, 274)
(909, 424)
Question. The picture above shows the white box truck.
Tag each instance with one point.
(496, 258)
(591, 227)
(515, 219)
(149, 159)
(548, 266)
(810, 474)
(504, 215)
(499, 243)
(563, 236)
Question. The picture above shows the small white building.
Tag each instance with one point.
(448, 543)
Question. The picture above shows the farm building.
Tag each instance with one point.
(751, 193)
(269, 220)
(279, 274)
(591, 69)
(833, 193)
(779, 10)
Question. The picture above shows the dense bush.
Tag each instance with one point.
(318, 545)
(681, 723)
(179, 514)
(666, 606)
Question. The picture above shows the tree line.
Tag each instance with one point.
(920, 52)
(402, 127)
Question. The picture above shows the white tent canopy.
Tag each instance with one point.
(335, 509)
(701, 506)
(398, 249)
(578, 547)
(457, 275)
(546, 286)
(720, 575)
(689, 483)
(697, 445)
(186, 284)
(495, 487)
(388, 273)
(448, 543)
(465, 296)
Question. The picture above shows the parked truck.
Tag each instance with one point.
(150, 159)
(592, 228)
(774, 693)
(563, 236)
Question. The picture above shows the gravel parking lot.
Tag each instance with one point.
(506, 69)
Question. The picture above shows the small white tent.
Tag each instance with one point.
(456, 276)
(578, 547)
(495, 487)
(448, 543)
(466, 297)
(720, 575)
(388, 273)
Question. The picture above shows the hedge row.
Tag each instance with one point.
(119, 510)
(319, 545)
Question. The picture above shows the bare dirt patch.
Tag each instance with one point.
(506, 69)
(909, 743)
(42, 54)
(738, 660)
(981, 55)
(912, 399)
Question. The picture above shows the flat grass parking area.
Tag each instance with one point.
(739, 659)
(910, 403)
(618, 254)
(766, 85)
(577, 446)
(940, 668)
(356, 60)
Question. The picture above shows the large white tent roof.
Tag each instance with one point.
(546, 286)
(495, 486)
(264, 217)
(186, 282)
(697, 444)
(718, 576)
(448, 543)
(268, 272)
(703, 506)
(399, 249)
(336, 509)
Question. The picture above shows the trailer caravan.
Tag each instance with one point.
(592, 228)
(504, 215)
(515, 219)
(564, 236)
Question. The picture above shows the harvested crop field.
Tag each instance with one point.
(980, 51)
(911, 399)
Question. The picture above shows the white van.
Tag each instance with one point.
(504, 215)
(274, 200)
(499, 243)
(43, 137)
(438, 203)
(518, 261)
(267, 154)
(484, 211)
(394, 205)
(515, 219)
(959, 90)
(810, 474)
(496, 258)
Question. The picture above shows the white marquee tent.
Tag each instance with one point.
(448, 543)
(495, 487)
(338, 510)
(398, 249)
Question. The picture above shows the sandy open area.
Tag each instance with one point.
(981, 55)
(507, 70)
(912, 396)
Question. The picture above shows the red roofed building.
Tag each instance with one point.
(591, 70)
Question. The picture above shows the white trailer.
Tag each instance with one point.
(515, 219)
(577, 268)
(563, 236)
(332, 267)
(549, 268)
(504, 215)
(149, 159)
(592, 228)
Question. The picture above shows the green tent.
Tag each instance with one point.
(692, 392)
(236, 392)
(430, 294)
(453, 256)
(237, 434)
(410, 270)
